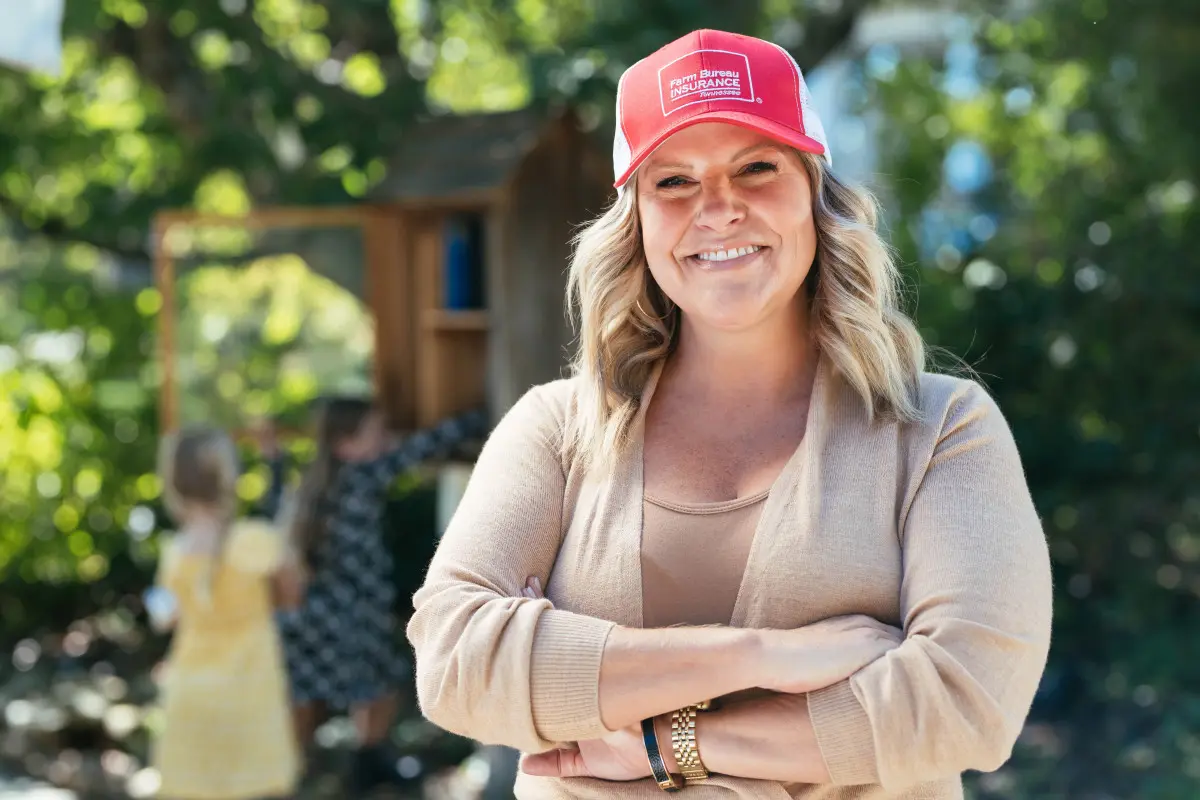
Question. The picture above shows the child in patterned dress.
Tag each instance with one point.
(341, 643)
(226, 729)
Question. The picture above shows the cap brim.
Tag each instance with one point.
(780, 133)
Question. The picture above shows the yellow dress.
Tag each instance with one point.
(227, 729)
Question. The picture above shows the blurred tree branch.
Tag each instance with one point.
(287, 124)
(59, 230)
(825, 33)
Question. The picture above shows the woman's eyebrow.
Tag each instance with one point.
(653, 165)
(754, 148)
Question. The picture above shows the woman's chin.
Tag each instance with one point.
(729, 320)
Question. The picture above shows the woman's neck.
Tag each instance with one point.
(772, 362)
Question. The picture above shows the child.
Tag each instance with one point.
(341, 642)
(226, 728)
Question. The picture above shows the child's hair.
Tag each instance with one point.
(337, 419)
(199, 471)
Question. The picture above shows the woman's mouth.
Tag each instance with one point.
(726, 259)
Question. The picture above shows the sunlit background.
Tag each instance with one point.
(1037, 161)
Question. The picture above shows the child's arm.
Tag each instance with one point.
(426, 444)
(290, 580)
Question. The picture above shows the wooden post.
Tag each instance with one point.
(389, 290)
(164, 278)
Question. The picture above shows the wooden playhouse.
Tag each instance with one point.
(446, 285)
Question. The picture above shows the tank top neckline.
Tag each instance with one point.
(715, 507)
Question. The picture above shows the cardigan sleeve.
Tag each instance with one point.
(976, 602)
(492, 665)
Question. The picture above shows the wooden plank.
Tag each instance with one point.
(164, 279)
(270, 217)
(462, 358)
(330, 216)
(390, 297)
(427, 278)
(474, 200)
(497, 266)
(445, 319)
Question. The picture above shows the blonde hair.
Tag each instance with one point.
(199, 471)
(627, 325)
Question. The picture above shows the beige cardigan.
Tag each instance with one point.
(929, 526)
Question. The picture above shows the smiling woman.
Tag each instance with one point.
(728, 224)
(751, 548)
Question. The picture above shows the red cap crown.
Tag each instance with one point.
(712, 76)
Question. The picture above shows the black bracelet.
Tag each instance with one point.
(665, 780)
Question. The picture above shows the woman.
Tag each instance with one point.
(747, 481)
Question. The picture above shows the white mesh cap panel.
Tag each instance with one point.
(813, 128)
(622, 155)
(812, 123)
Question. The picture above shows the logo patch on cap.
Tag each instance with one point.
(702, 76)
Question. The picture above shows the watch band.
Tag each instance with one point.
(665, 780)
(683, 744)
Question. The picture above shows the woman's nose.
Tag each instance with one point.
(720, 207)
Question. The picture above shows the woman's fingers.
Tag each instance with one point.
(533, 588)
(555, 764)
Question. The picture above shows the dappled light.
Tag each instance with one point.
(264, 339)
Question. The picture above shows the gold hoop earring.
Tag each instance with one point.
(664, 316)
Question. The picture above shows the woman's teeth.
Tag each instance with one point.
(726, 255)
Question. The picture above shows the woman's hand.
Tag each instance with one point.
(819, 655)
(620, 756)
(533, 589)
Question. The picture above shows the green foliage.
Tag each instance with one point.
(263, 339)
(1081, 312)
(76, 437)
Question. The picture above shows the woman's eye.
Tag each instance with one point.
(759, 167)
(673, 182)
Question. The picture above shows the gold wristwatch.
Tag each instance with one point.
(683, 742)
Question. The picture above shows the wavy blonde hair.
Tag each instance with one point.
(627, 325)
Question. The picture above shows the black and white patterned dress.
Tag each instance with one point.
(341, 643)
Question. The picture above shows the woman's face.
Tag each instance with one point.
(727, 224)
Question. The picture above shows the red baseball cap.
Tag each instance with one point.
(712, 76)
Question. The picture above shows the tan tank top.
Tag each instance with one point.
(693, 558)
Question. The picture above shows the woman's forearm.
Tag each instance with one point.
(645, 673)
(768, 738)
(648, 672)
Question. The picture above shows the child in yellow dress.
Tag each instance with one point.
(227, 730)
